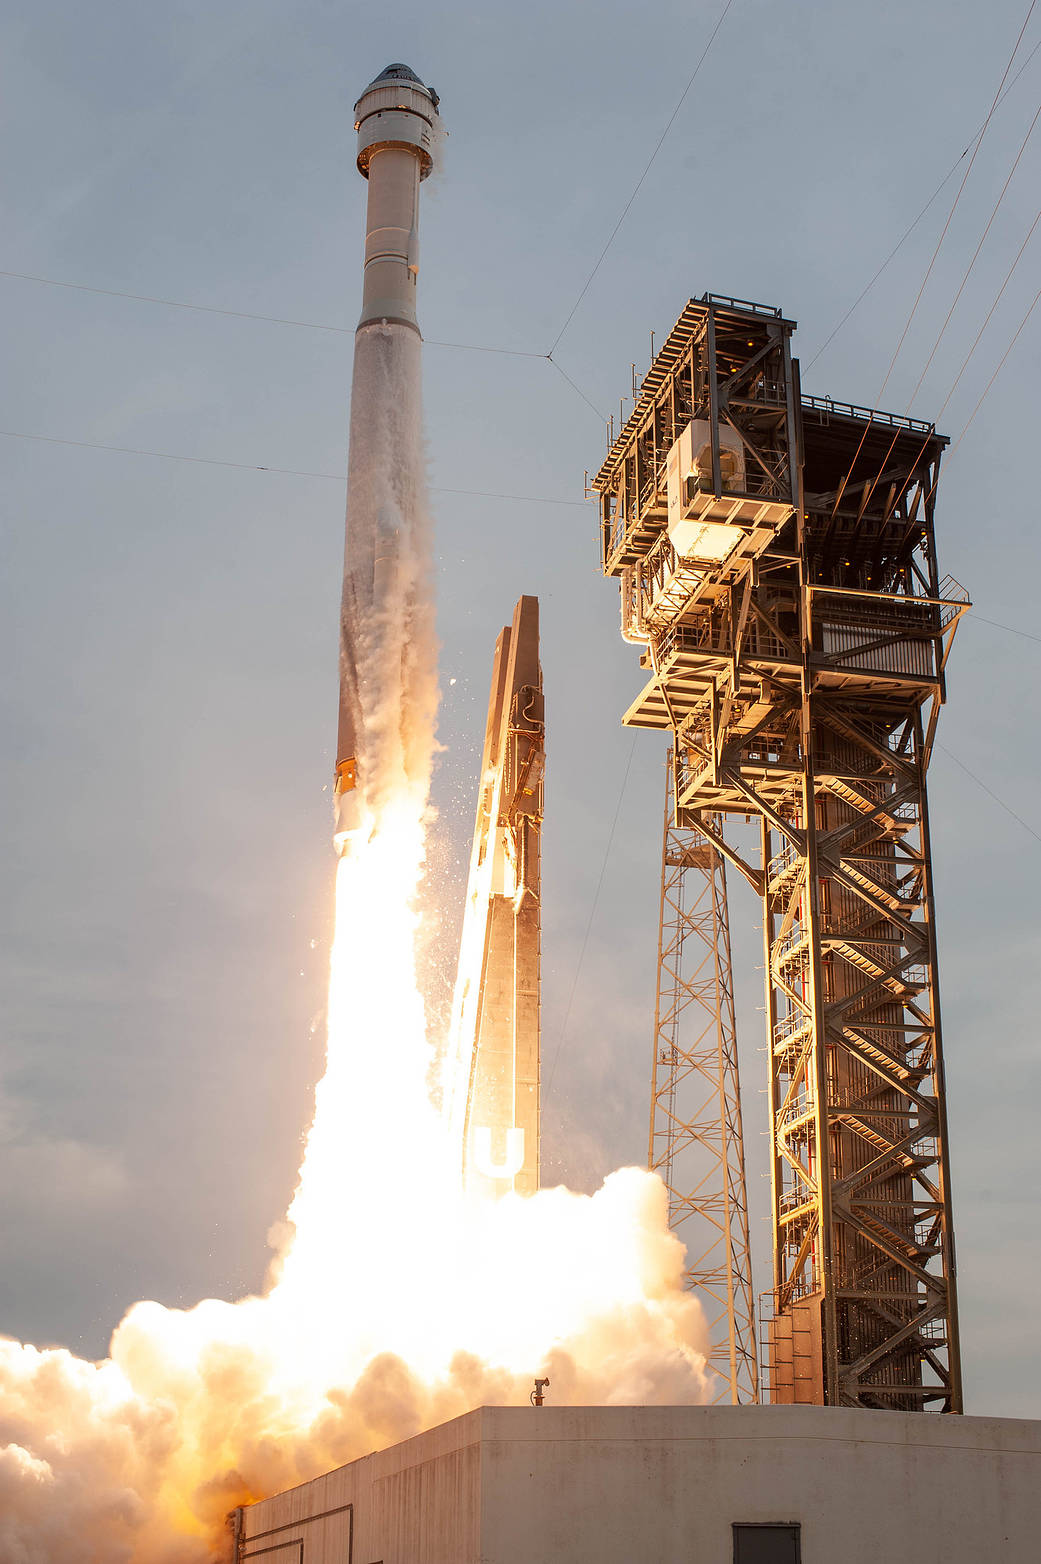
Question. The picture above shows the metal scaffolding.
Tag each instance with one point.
(696, 1143)
(776, 557)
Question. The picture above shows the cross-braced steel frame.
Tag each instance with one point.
(860, 1176)
(777, 560)
(696, 1143)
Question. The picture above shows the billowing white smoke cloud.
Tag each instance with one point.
(395, 1302)
(140, 1458)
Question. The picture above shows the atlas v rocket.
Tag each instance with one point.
(396, 118)
(388, 676)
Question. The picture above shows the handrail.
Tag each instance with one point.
(827, 404)
(824, 589)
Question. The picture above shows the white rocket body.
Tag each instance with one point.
(386, 691)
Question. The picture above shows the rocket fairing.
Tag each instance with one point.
(384, 692)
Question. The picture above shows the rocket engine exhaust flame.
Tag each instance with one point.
(394, 1301)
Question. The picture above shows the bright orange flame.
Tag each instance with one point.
(374, 1202)
(397, 1302)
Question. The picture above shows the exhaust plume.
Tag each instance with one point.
(394, 1302)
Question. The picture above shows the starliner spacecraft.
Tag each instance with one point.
(382, 693)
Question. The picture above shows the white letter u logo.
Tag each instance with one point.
(513, 1161)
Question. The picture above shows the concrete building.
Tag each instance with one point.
(672, 1485)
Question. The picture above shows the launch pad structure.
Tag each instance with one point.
(696, 1143)
(776, 559)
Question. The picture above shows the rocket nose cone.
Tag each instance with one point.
(398, 72)
(401, 73)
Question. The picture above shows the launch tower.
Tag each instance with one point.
(776, 558)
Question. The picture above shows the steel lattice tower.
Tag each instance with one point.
(777, 559)
(696, 1143)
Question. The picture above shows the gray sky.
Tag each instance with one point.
(168, 671)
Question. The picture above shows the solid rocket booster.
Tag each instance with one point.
(396, 118)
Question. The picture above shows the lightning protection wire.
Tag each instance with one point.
(1012, 630)
(339, 477)
(576, 388)
(909, 230)
(990, 792)
(975, 257)
(472, 347)
(288, 472)
(271, 320)
(592, 914)
(932, 262)
(306, 325)
(954, 205)
(639, 183)
(469, 347)
(983, 396)
(1000, 366)
(997, 300)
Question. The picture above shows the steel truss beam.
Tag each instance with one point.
(696, 1142)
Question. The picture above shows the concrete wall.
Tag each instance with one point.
(416, 1501)
(626, 1485)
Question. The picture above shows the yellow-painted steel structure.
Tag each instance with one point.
(777, 561)
(696, 1143)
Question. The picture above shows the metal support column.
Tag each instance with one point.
(696, 1142)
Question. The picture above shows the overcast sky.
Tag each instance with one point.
(168, 667)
